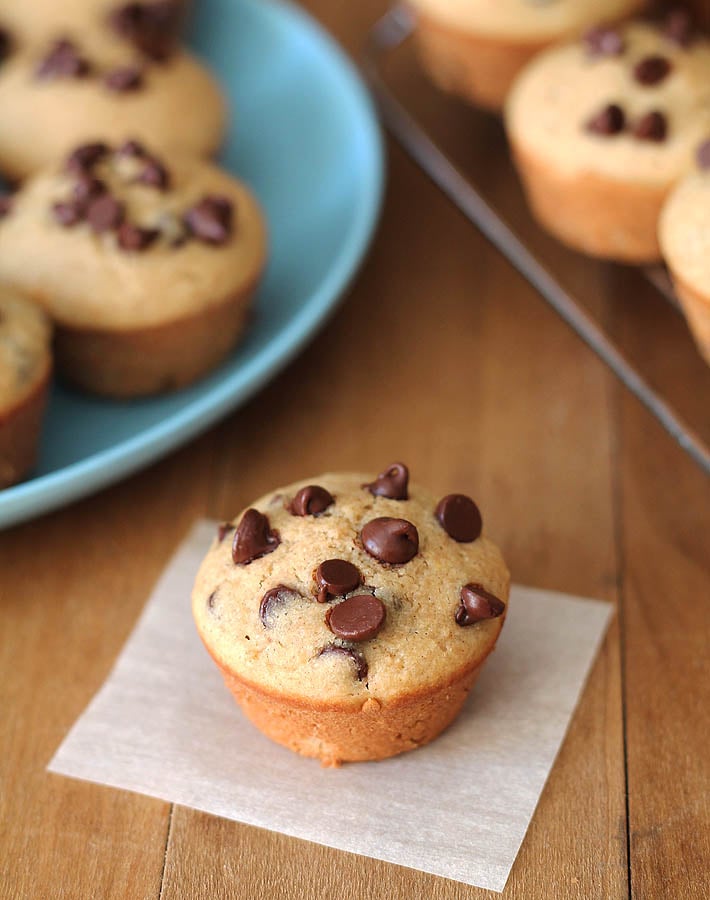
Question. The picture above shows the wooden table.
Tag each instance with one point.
(442, 356)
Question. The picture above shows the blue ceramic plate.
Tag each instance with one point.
(305, 137)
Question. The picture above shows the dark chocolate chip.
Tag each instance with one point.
(392, 483)
(460, 518)
(131, 148)
(63, 61)
(653, 126)
(678, 27)
(273, 599)
(702, 155)
(154, 174)
(105, 213)
(253, 538)
(353, 655)
(603, 41)
(608, 121)
(5, 44)
(68, 213)
(223, 529)
(477, 604)
(86, 187)
(311, 500)
(210, 220)
(390, 540)
(133, 238)
(152, 27)
(358, 618)
(124, 79)
(85, 157)
(652, 70)
(5, 205)
(335, 578)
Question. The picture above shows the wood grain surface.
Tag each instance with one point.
(442, 356)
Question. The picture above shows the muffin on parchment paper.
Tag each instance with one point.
(25, 369)
(475, 48)
(601, 130)
(684, 233)
(73, 89)
(147, 265)
(349, 616)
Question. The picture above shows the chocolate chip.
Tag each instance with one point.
(63, 61)
(223, 529)
(603, 41)
(702, 155)
(154, 174)
(5, 205)
(353, 655)
(253, 538)
(477, 604)
(151, 27)
(124, 79)
(133, 238)
(68, 213)
(358, 618)
(608, 121)
(273, 599)
(652, 70)
(85, 157)
(651, 127)
(678, 27)
(131, 148)
(392, 483)
(86, 187)
(210, 220)
(104, 213)
(5, 44)
(335, 578)
(390, 540)
(460, 518)
(311, 500)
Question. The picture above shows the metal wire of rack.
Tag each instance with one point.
(387, 34)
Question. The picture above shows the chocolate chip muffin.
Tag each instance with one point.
(475, 48)
(147, 264)
(603, 128)
(684, 233)
(79, 88)
(350, 616)
(25, 367)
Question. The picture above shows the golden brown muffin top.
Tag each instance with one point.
(283, 616)
(120, 237)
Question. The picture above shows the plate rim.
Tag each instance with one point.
(45, 493)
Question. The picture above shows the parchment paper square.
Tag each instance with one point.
(164, 724)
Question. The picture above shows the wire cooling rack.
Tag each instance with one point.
(387, 35)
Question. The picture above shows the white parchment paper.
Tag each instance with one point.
(163, 724)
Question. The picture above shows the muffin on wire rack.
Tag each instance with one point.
(601, 130)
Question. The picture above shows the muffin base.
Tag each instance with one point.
(136, 362)
(363, 730)
(600, 216)
(20, 428)
(479, 69)
(696, 307)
